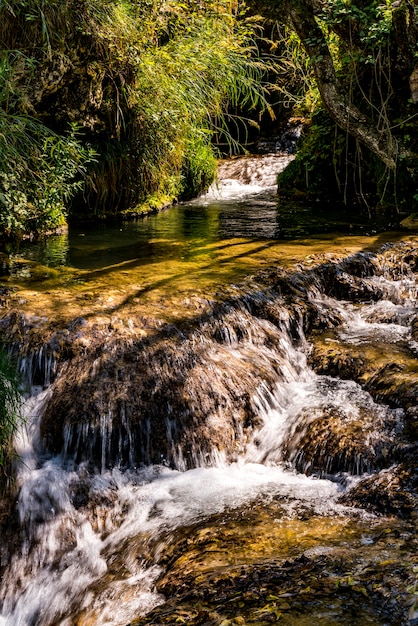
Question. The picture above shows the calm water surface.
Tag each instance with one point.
(239, 226)
(184, 231)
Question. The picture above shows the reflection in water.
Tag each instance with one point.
(182, 231)
(242, 204)
(51, 251)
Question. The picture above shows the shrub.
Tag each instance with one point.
(39, 169)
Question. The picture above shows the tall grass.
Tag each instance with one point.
(181, 96)
(183, 65)
(148, 81)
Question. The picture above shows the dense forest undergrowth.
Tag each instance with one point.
(110, 105)
(108, 108)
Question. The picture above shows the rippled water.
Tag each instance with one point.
(93, 522)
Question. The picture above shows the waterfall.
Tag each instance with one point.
(247, 176)
(138, 437)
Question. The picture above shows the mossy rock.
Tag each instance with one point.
(333, 441)
(410, 222)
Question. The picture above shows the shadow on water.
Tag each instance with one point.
(191, 248)
(187, 230)
(192, 233)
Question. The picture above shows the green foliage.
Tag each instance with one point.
(358, 33)
(318, 161)
(199, 168)
(38, 176)
(39, 170)
(294, 81)
(371, 21)
(181, 94)
(148, 81)
(372, 46)
(10, 401)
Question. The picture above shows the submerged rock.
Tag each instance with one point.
(241, 571)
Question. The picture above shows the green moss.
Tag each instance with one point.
(198, 170)
(153, 204)
(332, 167)
(314, 171)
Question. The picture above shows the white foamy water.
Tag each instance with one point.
(386, 320)
(289, 410)
(56, 579)
(359, 331)
(247, 176)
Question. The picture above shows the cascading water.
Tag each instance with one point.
(136, 439)
(247, 176)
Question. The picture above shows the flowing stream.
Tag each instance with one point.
(144, 442)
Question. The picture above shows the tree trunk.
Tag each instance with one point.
(336, 97)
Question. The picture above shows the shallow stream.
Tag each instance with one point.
(198, 444)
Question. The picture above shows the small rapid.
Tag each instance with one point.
(247, 176)
(72, 558)
(268, 408)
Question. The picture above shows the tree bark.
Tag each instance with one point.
(335, 98)
(300, 14)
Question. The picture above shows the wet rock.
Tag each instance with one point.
(415, 328)
(333, 359)
(362, 265)
(388, 372)
(344, 286)
(411, 423)
(391, 491)
(181, 400)
(395, 384)
(341, 587)
(333, 440)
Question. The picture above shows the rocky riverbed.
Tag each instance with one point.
(310, 369)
